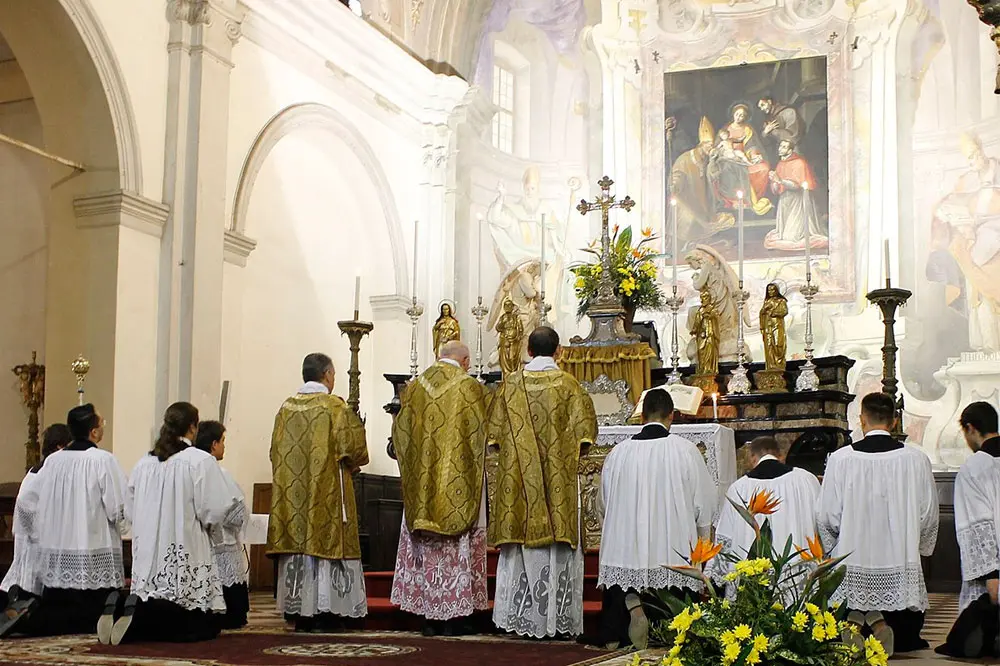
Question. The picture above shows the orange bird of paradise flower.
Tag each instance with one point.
(703, 551)
(814, 551)
(763, 503)
(647, 231)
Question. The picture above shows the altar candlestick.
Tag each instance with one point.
(805, 205)
(715, 406)
(541, 268)
(416, 225)
(357, 296)
(888, 275)
(479, 254)
(739, 228)
(673, 215)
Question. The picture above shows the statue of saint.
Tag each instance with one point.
(511, 332)
(522, 286)
(446, 329)
(705, 327)
(772, 328)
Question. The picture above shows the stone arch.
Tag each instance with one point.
(323, 117)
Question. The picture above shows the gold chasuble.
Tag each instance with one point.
(318, 441)
(439, 441)
(540, 421)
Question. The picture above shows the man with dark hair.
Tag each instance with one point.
(781, 122)
(317, 443)
(658, 498)
(78, 505)
(796, 489)
(977, 501)
(879, 509)
(541, 419)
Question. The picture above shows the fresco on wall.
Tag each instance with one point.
(759, 129)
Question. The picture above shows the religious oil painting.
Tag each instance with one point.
(757, 130)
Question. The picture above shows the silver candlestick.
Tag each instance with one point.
(808, 380)
(479, 311)
(543, 310)
(414, 312)
(674, 302)
(739, 382)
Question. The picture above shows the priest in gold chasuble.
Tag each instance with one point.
(317, 443)
(439, 438)
(541, 420)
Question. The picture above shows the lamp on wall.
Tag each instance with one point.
(989, 13)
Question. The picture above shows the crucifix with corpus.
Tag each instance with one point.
(605, 310)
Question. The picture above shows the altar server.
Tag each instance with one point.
(227, 540)
(541, 420)
(439, 442)
(878, 506)
(658, 498)
(796, 490)
(317, 444)
(176, 494)
(977, 523)
(24, 578)
(78, 502)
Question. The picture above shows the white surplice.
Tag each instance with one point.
(24, 570)
(227, 540)
(977, 503)
(79, 505)
(798, 491)
(657, 497)
(173, 504)
(539, 591)
(881, 511)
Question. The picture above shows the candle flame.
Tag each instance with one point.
(739, 194)
(805, 185)
(673, 201)
(479, 216)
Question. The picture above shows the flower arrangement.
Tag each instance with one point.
(634, 271)
(780, 614)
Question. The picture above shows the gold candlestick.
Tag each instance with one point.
(80, 368)
(32, 377)
(355, 330)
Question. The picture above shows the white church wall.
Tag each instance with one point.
(23, 261)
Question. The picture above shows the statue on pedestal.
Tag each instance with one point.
(446, 328)
(772, 329)
(705, 330)
(511, 332)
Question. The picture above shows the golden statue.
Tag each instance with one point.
(446, 329)
(772, 328)
(511, 332)
(706, 331)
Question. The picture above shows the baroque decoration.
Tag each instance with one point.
(619, 389)
(780, 612)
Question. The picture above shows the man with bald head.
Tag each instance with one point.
(439, 442)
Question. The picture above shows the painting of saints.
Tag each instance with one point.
(730, 177)
(793, 181)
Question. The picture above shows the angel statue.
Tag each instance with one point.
(713, 275)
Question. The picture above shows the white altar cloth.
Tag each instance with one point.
(716, 442)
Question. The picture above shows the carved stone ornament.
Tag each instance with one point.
(611, 400)
(190, 11)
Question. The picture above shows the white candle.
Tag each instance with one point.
(739, 228)
(888, 275)
(479, 255)
(541, 267)
(357, 296)
(416, 225)
(673, 215)
(715, 406)
(805, 205)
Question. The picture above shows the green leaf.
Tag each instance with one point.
(625, 238)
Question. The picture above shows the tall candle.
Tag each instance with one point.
(673, 220)
(715, 406)
(541, 267)
(888, 275)
(357, 296)
(739, 228)
(479, 255)
(416, 225)
(808, 212)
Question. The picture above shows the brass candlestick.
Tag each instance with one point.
(355, 330)
(32, 378)
(889, 300)
(80, 368)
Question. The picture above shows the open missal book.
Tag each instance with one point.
(687, 400)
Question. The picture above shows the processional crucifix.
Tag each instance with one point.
(605, 309)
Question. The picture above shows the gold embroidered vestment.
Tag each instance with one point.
(541, 422)
(440, 446)
(318, 441)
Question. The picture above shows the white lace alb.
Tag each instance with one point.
(83, 569)
(978, 545)
(890, 589)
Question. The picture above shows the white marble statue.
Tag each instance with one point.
(713, 274)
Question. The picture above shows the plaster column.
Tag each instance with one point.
(202, 36)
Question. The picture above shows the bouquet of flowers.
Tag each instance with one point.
(634, 272)
(780, 613)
